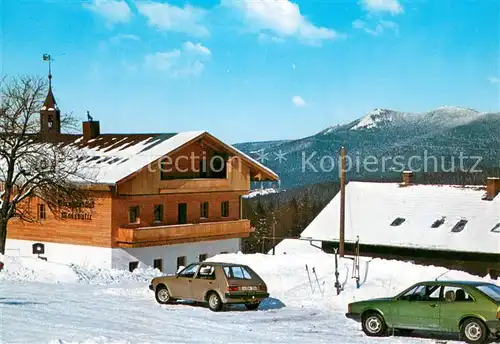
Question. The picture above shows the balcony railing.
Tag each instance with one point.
(176, 234)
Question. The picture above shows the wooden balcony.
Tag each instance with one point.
(177, 234)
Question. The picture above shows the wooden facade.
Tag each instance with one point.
(91, 226)
(144, 208)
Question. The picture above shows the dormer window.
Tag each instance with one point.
(398, 221)
(496, 229)
(459, 226)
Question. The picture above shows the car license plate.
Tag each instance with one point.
(248, 288)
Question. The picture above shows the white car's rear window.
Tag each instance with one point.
(237, 272)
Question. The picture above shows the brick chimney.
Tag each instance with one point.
(492, 187)
(91, 128)
(407, 178)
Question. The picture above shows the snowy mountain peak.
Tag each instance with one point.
(450, 116)
(452, 108)
(379, 112)
(376, 118)
(442, 117)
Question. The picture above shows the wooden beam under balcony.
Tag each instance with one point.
(177, 234)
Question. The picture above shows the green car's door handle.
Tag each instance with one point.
(433, 305)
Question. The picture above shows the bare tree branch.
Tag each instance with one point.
(32, 165)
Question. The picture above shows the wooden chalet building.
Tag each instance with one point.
(162, 200)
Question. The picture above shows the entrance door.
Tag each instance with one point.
(203, 281)
(418, 309)
(182, 213)
(180, 287)
(456, 302)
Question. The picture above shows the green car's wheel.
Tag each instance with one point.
(373, 325)
(473, 331)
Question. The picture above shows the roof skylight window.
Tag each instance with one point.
(496, 229)
(398, 221)
(438, 223)
(459, 226)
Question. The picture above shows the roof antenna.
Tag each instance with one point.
(443, 274)
(90, 118)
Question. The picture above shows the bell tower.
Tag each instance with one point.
(50, 115)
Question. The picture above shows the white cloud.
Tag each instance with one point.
(166, 17)
(265, 38)
(197, 48)
(298, 101)
(163, 61)
(281, 18)
(392, 6)
(494, 79)
(389, 24)
(380, 27)
(124, 37)
(188, 61)
(115, 11)
(358, 24)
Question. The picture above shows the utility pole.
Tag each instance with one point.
(274, 216)
(342, 201)
(274, 232)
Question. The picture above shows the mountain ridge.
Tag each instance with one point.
(446, 132)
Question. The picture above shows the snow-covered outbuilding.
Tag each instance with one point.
(436, 224)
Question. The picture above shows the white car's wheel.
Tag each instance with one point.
(162, 295)
(214, 302)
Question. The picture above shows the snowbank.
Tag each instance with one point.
(103, 307)
(303, 275)
(288, 279)
(93, 340)
(38, 270)
(103, 276)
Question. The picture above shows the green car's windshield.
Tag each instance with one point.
(491, 290)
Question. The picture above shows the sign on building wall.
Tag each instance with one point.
(76, 213)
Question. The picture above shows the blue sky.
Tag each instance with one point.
(248, 70)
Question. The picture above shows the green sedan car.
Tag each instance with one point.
(469, 308)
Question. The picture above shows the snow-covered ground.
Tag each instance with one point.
(44, 302)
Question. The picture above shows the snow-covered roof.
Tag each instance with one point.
(111, 162)
(428, 216)
(113, 157)
(261, 192)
